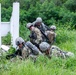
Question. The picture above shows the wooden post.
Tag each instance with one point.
(15, 20)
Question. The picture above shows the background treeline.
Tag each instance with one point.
(62, 13)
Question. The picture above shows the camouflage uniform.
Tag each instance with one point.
(42, 27)
(35, 36)
(54, 51)
(28, 50)
(57, 52)
(38, 35)
(22, 51)
(51, 36)
(52, 29)
(25, 52)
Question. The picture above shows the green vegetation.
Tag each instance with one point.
(6, 39)
(41, 67)
(59, 12)
(66, 40)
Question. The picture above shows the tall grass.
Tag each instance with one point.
(54, 66)
(66, 40)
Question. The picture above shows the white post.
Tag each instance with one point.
(15, 16)
(0, 25)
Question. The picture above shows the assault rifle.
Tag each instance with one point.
(45, 35)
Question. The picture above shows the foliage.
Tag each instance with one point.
(53, 66)
(63, 35)
(71, 5)
(24, 32)
(58, 12)
(6, 14)
(11, 50)
(66, 40)
(51, 11)
(6, 39)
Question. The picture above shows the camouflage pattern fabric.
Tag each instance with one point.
(51, 36)
(38, 34)
(56, 51)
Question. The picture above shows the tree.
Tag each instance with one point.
(71, 5)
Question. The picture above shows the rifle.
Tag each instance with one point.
(33, 35)
(44, 35)
(18, 52)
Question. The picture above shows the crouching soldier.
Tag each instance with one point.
(51, 34)
(35, 36)
(42, 27)
(22, 50)
(53, 29)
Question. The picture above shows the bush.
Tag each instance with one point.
(6, 14)
(70, 5)
(6, 39)
(63, 34)
(24, 32)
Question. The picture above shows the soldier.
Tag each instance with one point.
(24, 49)
(40, 25)
(51, 37)
(51, 34)
(45, 48)
(35, 36)
(54, 51)
(21, 51)
(53, 28)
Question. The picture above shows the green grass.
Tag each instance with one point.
(53, 66)
(66, 40)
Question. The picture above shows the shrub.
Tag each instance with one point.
(70, 5)
(6, 39)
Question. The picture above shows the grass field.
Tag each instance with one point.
(66, 40)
